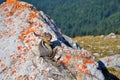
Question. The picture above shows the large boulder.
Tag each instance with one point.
(19, 48)
(112, 61)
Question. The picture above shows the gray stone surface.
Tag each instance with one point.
(112, 61)
(18, 46)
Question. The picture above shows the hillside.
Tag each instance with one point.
(114, 24)
(82, 17)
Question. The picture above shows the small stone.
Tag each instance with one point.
(118, 46)
(111, 36)
(110, 52)
(96, 54)
(102, 36)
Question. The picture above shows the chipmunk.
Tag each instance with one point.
(45, 46)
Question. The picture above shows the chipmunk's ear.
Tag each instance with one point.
(37, 34)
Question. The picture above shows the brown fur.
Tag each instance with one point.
(46, 39)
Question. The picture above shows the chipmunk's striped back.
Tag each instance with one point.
(45, 49)
(45, 46)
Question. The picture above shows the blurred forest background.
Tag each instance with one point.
(82, 17)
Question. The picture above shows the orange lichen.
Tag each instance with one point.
(21, 37)
(1, 6)
(2, 65)
(25, 50)
(10, 20)
(30, 30)
(77, 56)
(11, 1)
(28, 41)
(85, 61)
(86, 71)
(18, 13)
(65, 62)
(68, 57)
(82, 55)
(59, 61)
(0, 60)
(77, 66)
(84, 66)
(19, 47)
(33, 15)
(13, 72)
(1, 36)
(19, 56)
(17, 6)
(25, 33)
(80, 70)
(20, 77)
(90, 61)
(13, 57)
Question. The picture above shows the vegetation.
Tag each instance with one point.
(113, 71)
(98, 44)
(82, 17)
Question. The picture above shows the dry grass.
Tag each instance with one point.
(97, 44)
(113, 71)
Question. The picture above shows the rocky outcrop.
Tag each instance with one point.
(19, 48)
(112, 61)
(111, 36)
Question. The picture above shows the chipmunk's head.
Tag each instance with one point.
(47, 37)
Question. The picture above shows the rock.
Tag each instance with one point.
(96, 54)
(71, 42)
(112, 61)
(118, 46)
(101, 36)
(110, 52)
(111, 36)
(18, 46)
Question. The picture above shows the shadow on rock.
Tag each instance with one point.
(106, 73)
